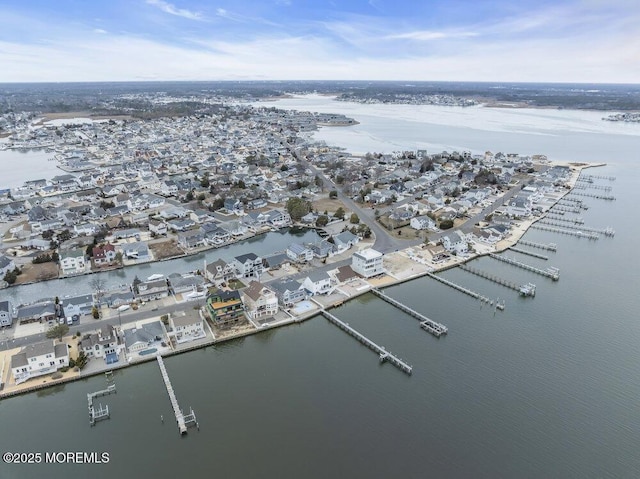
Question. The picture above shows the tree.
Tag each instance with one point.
(297, 208)
(136, 282)
(189, 196)
(319, 183)
(64, 235)
(47, 234)
(333, 194)
(354, 219)
(446, 224)
(204, 182)
(322, 221)
(98, 286)
(57, 331)
(81, 361)
(95, 313)
(339, 213)
(10, 277)
(284, 168)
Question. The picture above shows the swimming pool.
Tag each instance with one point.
(148, 351)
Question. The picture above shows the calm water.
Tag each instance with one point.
(547, 388)
(18, 166)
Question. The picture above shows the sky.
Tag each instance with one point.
(586, 41)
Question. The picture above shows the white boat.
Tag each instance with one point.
(155, 277)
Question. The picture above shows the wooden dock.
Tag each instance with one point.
(102, 412)
(182, 420)
(467, 291)
(608, 231)
(549, 246)
(427, 324)
(528, 253)
(528, 289)
(553, 273)
(383, 354)
(565, 231)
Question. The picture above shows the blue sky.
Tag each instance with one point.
(457, 40)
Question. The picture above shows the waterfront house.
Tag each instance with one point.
(299, 253)
(234, 227)
(77, 305)
(438, 253)
(278, 219)
(219, 272)
(155, 289)
(186, 326)
(322, 248)
(259, 300)
(276, 261)
(247, 265)
(318, 282)
(39, 359)
(144, 337)
(136, 251)
(115, 299)
(6, 314)
(43, 311)
(455, 242)
(104, 343)
(225, 308)
(104, 254)
(288, 292)
(367, 263)
(344, 274)
(72, 262)
(186, 283)
(191, 239)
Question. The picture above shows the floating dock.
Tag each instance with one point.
(183, 420)
(427, 324)
(528, 253)
(590, 178)
(549, 246)
(467, 291)
(565, 209)
(579, 234)
(592, 187)
(553, 273)
(382, 353)
(528, 289)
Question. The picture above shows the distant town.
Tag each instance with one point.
(133, 191)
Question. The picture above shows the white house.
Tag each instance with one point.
(455, 242)
(186, 326)
(259, 300)
(422, 223)
(367, 263)
(299, 253)
(247, 265)
(219, 272)
(72, 262)
(38, 359)
(318, 282)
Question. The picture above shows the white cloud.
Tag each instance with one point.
(428, 35)
(99, 30)
(173, 10)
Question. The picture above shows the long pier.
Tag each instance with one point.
(528, 253)
(549, 246)
(579, 234)
(427, 324)
(563, 219)
(182, 420)
(598, 177)
(553, 273)
(528, 289)
(594, 195)
(565, 209)
(467, 291)
(608, 231)
(382, 353)
(592, 187)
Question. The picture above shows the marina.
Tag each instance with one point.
(383, 354)
(427, 324)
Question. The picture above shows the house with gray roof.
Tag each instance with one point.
(43, 311)
(288, 292)
(6, 313)
(39, 359)
(299, 253)
(144, 337)
(345, 240)
(6, 265)
(248, 265)
(318, 282)
(186, 326)
(105, 343)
